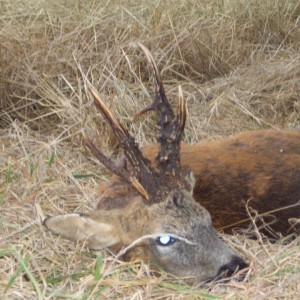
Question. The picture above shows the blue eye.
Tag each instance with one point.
(165, 240)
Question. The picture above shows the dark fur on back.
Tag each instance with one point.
(262, 167)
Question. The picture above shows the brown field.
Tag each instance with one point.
(238, 63)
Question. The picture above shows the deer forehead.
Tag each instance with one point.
(179, 215)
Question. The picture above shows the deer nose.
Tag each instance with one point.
(236, 264)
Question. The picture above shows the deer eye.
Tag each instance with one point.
(165, 240)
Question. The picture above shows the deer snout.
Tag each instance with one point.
(235, 264)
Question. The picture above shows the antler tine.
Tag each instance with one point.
(160, 104)
(171, 126)
(144, 177)
(182, 110)
(110, 165)
(115, 169)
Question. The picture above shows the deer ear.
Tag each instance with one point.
(191, 180)
(76, 227)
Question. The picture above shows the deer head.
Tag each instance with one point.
(162, 224)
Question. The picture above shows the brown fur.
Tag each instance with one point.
(262, 167)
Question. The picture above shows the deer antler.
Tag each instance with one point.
(142, 169)
(142, 175)
(171, 126)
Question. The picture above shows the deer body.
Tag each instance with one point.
(260, 166)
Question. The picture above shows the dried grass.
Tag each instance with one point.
(239, 65)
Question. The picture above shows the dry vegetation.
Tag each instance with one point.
(239, 65)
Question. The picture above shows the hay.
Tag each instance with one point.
(239, 65)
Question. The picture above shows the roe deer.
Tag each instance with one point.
(149, 211)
